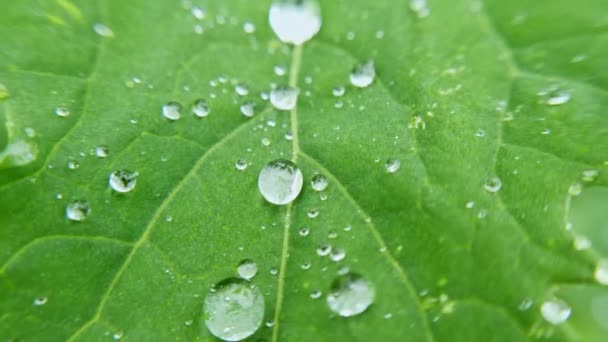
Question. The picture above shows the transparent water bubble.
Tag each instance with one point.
(77, 210)
(234, 310)
(248, 109)
(102, 151)
(241, 89)
(304, 231)
(555, 311)
(338, 91)
(493, 184)
(123, 180)
(172, 111)
(280, 181)
(350, 295)
(103, 30)
(200, 108)
(241, 164)
(392, 165)
(248, 27)
(337, 254)
(295, 21)
(280, 70)
(363, 74)
(62, 111)
(601, 272)
(247, 269)
(40, 301)
(319, 182)
(284, 97)
(324, 249)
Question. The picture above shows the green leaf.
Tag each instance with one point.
(461, 96)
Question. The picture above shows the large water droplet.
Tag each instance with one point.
(319, 182)
(247, 269)
(350, 295)
(234, 310)
(284, 98)
(77, 210)
(123, 180)
(601, 272)
(493, 184)
(172, 111)
(280, 181)
(363, 74)
(200, 108)
(555, 311)
(295, 21)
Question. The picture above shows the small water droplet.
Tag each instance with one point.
(274, 271)
(103, 30)
(601, 272)
(117, 335)
(235, 310)
(316, 294)
(172, 111)
(168, 218)
(379, 34)
(198, 12)
(280, 70)
(188, 323)
(102, 151)
(241, 164)
(555, 311)
(480, 133)
(324, 250)
(319, 182)
(525, 304)
(73, 164)
(420, 7)
(40, 301)
(470, 204)
(77, 210)
(62, 111)
(575, 189)
(493, 184)
(200, 108)
(295, 22)
(581, 243)
(392, 165)
(280, 181)
(305, 266)
(312, 213)
(248, 109)
(350, 295)
(123, 180)
(241, 90)
(363, 75)
(347, 228)
(337, 254)
(288, 136)
(248, 27)
(338, 91)
(266, 141)
(247, 269)
(558, 99)
(284, 97)
(304, 231)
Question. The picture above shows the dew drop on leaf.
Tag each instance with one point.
(200, 108)
(241, 164)
(350, 295)
(392, 165)
(363, 74)
(280, 70)
(581, 242)
(266, 141)
(493, 184)
(247, 269)
(77, 210)
(555, 311)
(324, 250)
(337, 254)
(235, 310)
(316, 294)
(284, 97)
(103, 30)
(62, 111)
(280, 181)
(248, 27)
(274, 271)
(420, 7)
(338, 91)
(558, 99)
(248, 109)
(123, 180)
(312, 213)
(319, 182)
(295, 21)
(601, 272)
(102, 151)
(172, 111)
(40, 301)
(73, 164)
(241, 89)
(304, 231)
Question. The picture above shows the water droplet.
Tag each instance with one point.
(581, 243)
(304, 231)
(168, 218)
(102, 151)
(62, 111)
(558, 99)
(200, 108)
(312, 213)
(480, 133)
(338, 91)
(40, 301)
(420, 7)
(198, 12)
(288, 136)
(123, 180)
(266, 141)
(319, 182)
(347, 228)
(555, 311)
(280, 70)
(269, 324)
(332, 235)
(234, 311)
(274, 271)
(546, 131)
(284, 97)
(172, 111)
(305, 266)
(337, 254)
(392, 165)
(280, 181)
(316, 294)
(188, 323)
(241, 164)
(295, 21)
(601, 272)
(241, 89)
(379, 34)
(350, 295)
(117, 335)
(363, 74)
(247, 269)
(575, 189)
(470, 204)
(493, 184)
(324, 250)
(103, 30)
(590, 175)
(525, 304)
(248, 27)
(198, 29)
(73, 164)
(77, 210)
(248, 109)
